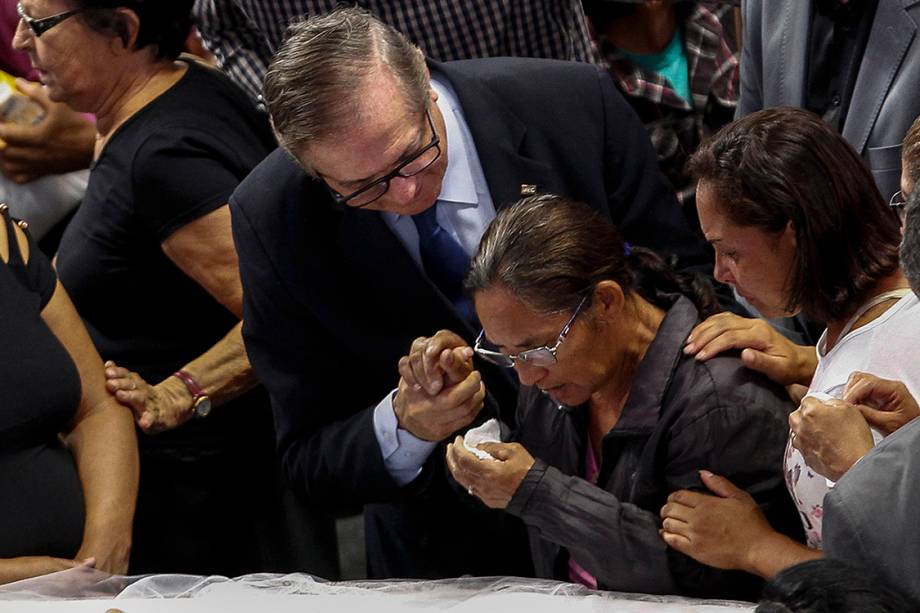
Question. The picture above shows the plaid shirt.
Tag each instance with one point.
(244, 34)
(675, 126)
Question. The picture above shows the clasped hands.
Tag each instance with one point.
(439, 393)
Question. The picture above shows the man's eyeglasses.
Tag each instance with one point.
(40, 26)
(409, 166)
(898, 204)
(538, 356)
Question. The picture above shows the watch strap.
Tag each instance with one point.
(194, 389)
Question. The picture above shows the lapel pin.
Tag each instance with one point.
(528, 190)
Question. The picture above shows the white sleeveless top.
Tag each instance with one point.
(887, 347)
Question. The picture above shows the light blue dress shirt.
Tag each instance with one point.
(465, 211)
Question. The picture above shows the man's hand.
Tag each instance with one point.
(492, 481)
(887, 405)
(831, 435)
(435, 417)
(763, 348)
(437, 361)
(61, 142)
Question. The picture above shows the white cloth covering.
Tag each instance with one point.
(297, 593)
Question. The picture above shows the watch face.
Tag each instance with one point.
(202, 407)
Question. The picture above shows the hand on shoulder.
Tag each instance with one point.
(762, 348)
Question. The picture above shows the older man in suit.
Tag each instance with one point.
(353, 240)
(854, 62)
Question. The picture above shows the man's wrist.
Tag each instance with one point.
(176, 394)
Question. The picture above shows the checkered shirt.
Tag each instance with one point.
(244, 34)
(675, 127)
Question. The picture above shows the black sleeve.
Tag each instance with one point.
(40, 274)
(181, 174)
(36, 274)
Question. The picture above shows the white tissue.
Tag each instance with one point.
(489, 432)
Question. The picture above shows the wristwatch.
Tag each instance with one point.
(201, 402)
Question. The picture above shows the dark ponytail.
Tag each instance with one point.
(653, 275)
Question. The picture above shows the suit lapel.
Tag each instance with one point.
(892, 33)
(500, 139)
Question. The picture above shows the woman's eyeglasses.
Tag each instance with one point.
(538, 356)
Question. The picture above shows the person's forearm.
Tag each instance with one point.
(104, 446)
(591, 522)
(776, 553)
(223, 372)
(26, 567)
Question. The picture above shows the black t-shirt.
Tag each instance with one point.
(177, 159)
(41, 501)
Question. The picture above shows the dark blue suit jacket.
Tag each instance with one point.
(332, 300)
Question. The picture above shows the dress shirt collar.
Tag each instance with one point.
(458, 186)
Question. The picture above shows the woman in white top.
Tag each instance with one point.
(798, 226)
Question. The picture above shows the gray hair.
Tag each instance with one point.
(910, 152)
(313, 87)
(910, 243)
(551, 252)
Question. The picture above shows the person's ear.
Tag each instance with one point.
(609, 299)
(789, 232)
(127, 25)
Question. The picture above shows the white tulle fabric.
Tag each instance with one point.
(82, 590)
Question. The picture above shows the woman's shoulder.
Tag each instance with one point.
(21, 250)
(723, 381)
(19, 254)
(204, 101)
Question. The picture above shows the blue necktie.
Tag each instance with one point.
(444, 260)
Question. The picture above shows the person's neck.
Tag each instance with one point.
(632, 337)
(135, 88)
(888, 283)
(647, 30)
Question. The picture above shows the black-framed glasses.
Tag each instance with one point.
(898, 203)
(538, 356)
(40, 26)
(409, 166)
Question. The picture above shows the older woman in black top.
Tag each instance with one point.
(63, 502)
(150, 263)
(612, 417)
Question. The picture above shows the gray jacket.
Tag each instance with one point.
(884, 103)
(870, 517)
(682, 416)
